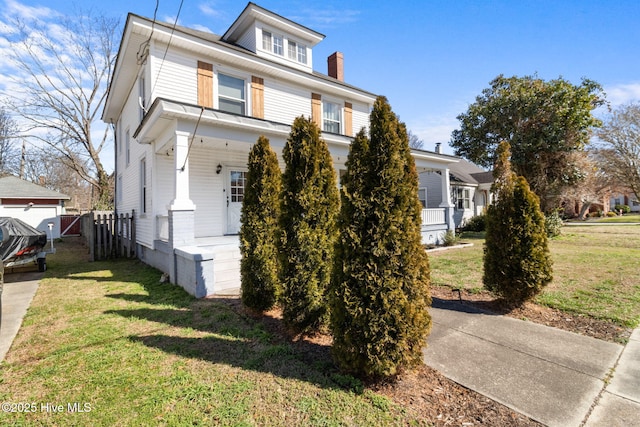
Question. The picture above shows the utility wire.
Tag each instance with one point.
(167, 48)
(193, 135)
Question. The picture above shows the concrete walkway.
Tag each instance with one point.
(555, 377)
(18, 291)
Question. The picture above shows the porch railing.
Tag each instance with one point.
(433, 216)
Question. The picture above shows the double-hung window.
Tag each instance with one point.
(463, 198)
(231, 96)
(297, 52)
(272, 43)
(331, 115)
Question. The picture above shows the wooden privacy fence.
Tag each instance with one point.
(109, 235)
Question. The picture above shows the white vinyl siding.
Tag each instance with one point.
(177, 79)
(284, 102)
(205, 191)
(248, 39)
(164, 192)
(360, 116)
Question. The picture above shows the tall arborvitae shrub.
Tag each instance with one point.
(259, 228)
(517, 262)
(310, 201)
(380, 289)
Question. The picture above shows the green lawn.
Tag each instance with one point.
(634, 217)
(595, 271)
(138, 353)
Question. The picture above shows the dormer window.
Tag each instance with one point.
(297, 52)
(272, 43)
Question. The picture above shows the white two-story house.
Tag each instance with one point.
(187, 106)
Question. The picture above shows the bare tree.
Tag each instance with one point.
(619, 151)
(595, 184)
(63, 71)
(415, 141)
(9, 152)
(47, 167)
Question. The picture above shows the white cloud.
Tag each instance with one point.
(201, 28)
(209, 9)
(21, 11)
(435, 128)
(623, 93)
(326, 17)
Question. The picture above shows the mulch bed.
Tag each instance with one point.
(430, 396)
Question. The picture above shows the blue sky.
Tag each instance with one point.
(432, 58)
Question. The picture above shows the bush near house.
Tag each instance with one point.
(309, 209)
(380, 289)
(517, 262)
(476, 223)
(624, 208)
(553, 224)
(259, 230)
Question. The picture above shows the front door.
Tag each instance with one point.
(235, 196)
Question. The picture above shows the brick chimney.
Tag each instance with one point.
(336, 66)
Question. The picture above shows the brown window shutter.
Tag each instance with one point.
(257, 97)
(205, 84)
(348, 119)
(316, 109)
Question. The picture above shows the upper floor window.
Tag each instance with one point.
(330, 117)
(143, 186)
(272, 43)
(142, 97)
(127, 144)
(231, 96)
(297, 52)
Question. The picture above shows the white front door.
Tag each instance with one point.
(235, 196)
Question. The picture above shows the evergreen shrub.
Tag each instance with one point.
(259, 228)
(380, 289)
(309, 209)
(517, 262)
(476, 223)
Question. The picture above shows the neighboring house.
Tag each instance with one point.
(187, 106)
(31, 203)
(469, 188)
(627, 198)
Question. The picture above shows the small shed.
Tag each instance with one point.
(36, 205)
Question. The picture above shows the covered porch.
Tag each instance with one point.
(191, 218)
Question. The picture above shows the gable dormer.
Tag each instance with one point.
(272, 36)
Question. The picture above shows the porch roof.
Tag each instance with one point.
(216, 124)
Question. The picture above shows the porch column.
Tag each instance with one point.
(446, 198)
(181, 201)
(181, 209)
